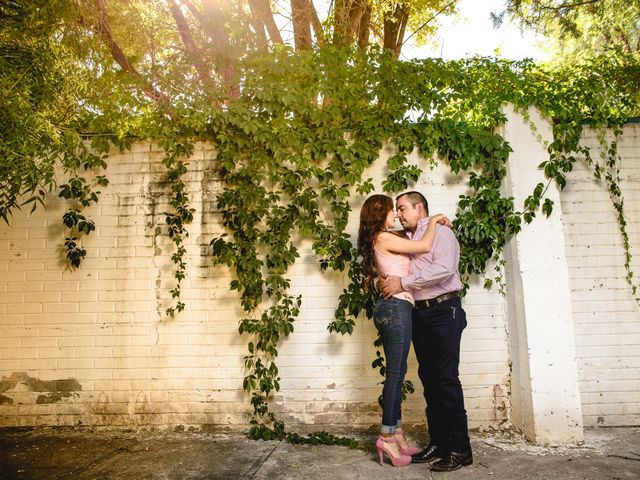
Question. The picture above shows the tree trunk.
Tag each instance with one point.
(258, 27)
(340, 21)
(394, 27)
(350, 18)
(356, 12)
(263, 11)
(316, 24)
(363, 33)
(403, 27)
(301, 16)
(214, 27)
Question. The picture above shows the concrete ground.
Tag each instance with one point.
(607, 453)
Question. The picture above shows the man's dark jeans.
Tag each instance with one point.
(436, 339)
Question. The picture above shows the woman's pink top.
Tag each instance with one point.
(396, 265)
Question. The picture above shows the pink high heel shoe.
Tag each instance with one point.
(402, 439)
(383, 447)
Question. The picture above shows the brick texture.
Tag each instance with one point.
(606, 316)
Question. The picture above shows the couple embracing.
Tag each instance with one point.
(420, 302)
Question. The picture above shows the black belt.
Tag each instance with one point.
(420, 304)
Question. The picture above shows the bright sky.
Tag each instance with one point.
(468, 34)
(473, 34)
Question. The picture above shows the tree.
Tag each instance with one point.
(118, 60)
(186, 45)
(41, 91)
(577, 29)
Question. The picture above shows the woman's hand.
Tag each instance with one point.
(442, 220)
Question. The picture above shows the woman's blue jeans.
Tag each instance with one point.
(392, 318)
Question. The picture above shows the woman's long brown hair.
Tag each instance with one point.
(373, 217)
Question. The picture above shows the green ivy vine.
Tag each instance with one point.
(181, 213)
(79, 194)
(607, 169)
(293, 150)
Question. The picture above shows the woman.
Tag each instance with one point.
(386, 253)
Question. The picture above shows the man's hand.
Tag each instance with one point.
(442, 220)
(389, 286)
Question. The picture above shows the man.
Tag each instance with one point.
(438, 321)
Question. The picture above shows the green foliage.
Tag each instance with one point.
(73, 252)
(580, 29)
(353, 300)
(324, 438)
(606, 169)
(277, 432)
(181, 213)
(79, 194)
(40, 89)
(290, 168)
(292, 153)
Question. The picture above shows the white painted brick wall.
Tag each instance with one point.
(606, 316)
(103, 326)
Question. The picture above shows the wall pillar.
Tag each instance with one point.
(545, 393)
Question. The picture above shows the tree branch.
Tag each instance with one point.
(394, 27)
(403, 26)
(428, 21)
(185, 34)
(103, 28)
(194, 11)
(316, 24)
(215, 30)
(567, 7)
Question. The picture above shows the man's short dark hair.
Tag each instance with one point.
(414, 199)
